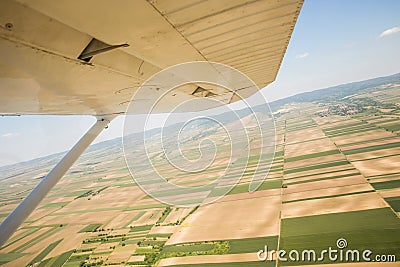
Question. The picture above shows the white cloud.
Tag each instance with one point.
(390, 31)
(304, 55)
(9, 135)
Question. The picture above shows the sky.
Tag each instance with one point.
(339, 41)
(334, 42)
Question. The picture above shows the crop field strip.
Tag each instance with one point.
(137, 217)
(369, 141)
(46, 251)
(376, 228)
(37, 239)
(5, 258)
(315, 235)
(90, 228)
(331, 174)
(317, 166)
(372, 148)
(391, 142)
(229, 264)
(234, 246)
(329, 196)
(19, 237)
(320, 179)
(57, 261)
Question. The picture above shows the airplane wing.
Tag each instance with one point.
(88, 57)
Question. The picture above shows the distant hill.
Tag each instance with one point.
(335, 92)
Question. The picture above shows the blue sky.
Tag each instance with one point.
(337, 41)
(334, 42)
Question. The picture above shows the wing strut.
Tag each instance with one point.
(28, 205)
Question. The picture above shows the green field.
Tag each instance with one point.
(317, 166)
(376, 229)
(386, 185)
(371, 148)
(46, 251)
(141, 228)
(90, 228)
(7, 257)
(60, 260)
(313, 155)
(189, 248)
(248, 245)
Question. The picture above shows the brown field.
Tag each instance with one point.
(333, 205)
(331, 120)
(120, 231)
(89, 246)
(318, 171)
(230, 220)
(71, 240)
(109, 198)
(77, 218)
(164, 229)
(374, 143)
(150, 217)
(324, 184)
(327, 191)
(96, 257)
(25, 240)
(20, 261)
(39, 213)
(184, 197)
(106, 247)
(120, 220)
(390, 192)
(7, 209)
(279, 139)
(121, 254)
(318, 176)
(303, 135)
(176, 215)
(16, 234)
(136, 258)
(310, 147)
(383, 179)
(209, 259)
(254, 195)
(270, 176)
(358, 137)
(378, 166)
(374, 154)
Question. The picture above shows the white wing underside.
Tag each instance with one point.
(42, 44)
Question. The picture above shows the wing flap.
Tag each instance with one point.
(41, 73)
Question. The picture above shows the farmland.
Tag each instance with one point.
(335, 174)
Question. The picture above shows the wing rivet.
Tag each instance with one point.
(9, 26)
